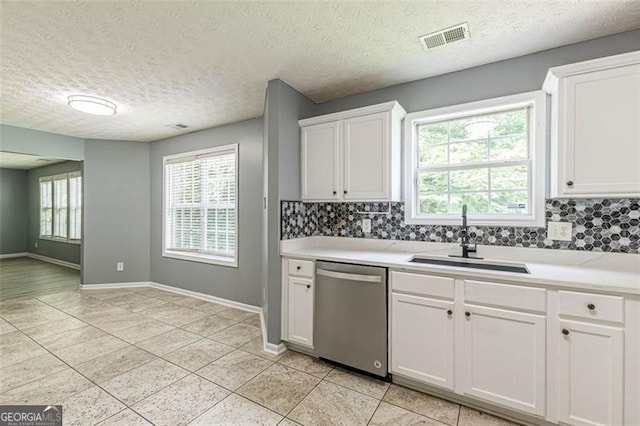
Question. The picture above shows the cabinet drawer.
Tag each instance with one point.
(302, 268)
(505, 295)
(425, 285)
(591, 306)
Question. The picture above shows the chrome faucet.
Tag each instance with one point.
(464, 236)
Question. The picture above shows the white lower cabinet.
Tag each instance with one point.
(479, 339)
(590, 374)
(301, 311)
(297, 301)
(423, 340)
(504, 354)
(566, 356)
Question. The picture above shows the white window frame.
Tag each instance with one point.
(537, 149)
(192, 256)
(52, 237)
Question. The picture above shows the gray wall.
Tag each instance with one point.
(68, 252)
(35, 142)
(281, 164)
(13, 206)
(522, 74)
(241, 284)
(116, 211)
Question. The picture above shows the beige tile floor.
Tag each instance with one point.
(145, 356)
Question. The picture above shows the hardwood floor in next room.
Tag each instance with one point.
(146, 356)
(28, 277)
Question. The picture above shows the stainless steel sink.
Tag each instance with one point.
(472, 263)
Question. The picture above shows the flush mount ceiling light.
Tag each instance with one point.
(92, 105)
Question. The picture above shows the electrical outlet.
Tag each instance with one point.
(36, 244)
(120, 266)
(559, 231)
(366, 226)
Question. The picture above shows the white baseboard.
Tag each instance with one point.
(54, 261)
(209, 298)
(12, 255)
(268, 347)
(105, 286)
(273, 348)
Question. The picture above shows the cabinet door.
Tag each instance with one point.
(320, 159)
(590, 374)
(366, 157)
(300, 319)
(504, 357)
(600, 127)
(422, 339)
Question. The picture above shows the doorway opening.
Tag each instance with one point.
(41, 218)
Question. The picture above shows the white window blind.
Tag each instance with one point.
(61, 207)
(200, 204)
(75, 206)
(46, 207)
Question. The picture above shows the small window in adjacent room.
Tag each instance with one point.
(61, 207)
(488, 155)
(201, 205)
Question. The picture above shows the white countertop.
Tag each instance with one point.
(595, 271)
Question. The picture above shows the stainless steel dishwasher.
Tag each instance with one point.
(350, 324)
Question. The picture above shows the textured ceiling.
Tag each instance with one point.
(10, 160)
(207, 63)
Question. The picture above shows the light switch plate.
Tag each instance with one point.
(366, 226)
(560, 231)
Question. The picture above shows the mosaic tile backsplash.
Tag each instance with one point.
(598, 225)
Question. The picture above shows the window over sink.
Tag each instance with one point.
(488, 155)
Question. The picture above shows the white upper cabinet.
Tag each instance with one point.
(366, 169)
(353, 155)
(595, 134)
(320, 170)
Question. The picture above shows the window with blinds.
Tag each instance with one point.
(200, 205)
(61, 207)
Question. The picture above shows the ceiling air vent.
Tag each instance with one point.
(446, 36)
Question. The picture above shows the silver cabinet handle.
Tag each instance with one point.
(350, 277)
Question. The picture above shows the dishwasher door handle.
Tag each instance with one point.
(350, 277)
